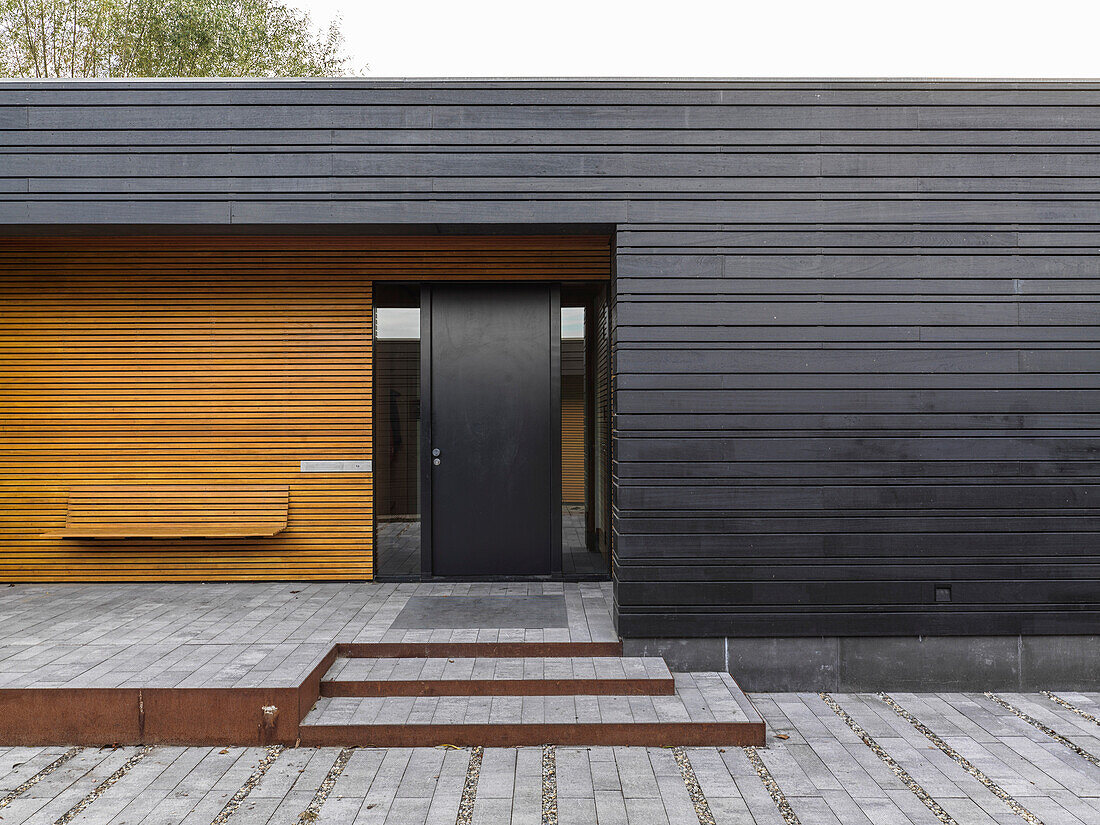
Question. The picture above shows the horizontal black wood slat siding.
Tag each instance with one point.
(855, 325)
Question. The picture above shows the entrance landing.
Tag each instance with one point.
(253, 634)
(247, 663)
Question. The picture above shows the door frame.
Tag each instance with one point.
(426, 474)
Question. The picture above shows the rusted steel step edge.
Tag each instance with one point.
(626, 734)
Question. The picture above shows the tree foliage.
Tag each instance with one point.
(165, 38)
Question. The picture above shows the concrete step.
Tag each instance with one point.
(498, 676)
(707, 708)
(476, 649)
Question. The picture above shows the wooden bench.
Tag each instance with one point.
(176, 511)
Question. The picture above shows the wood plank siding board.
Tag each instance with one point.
(853, 335)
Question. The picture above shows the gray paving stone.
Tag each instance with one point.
(579, 811)
(527, 791)
(645, 810)
(344, 809)
(448, 788)
(498, 774)
(673, 792)
(610, 807)
(288, 809)
(574, 772)
(245, 633)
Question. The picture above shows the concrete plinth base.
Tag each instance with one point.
(919, 663)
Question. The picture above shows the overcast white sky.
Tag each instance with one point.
(693, 38)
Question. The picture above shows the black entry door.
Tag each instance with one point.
(492, 423)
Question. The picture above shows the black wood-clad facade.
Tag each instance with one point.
(855, 324)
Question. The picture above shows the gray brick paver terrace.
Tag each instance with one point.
(247, 634)
(242, 634)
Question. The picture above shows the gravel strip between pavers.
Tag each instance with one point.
(249, 785)
(962, 761)
(549, 785)
(776, 793)
(38, 777)
(469, 789)
(1049, 731)
(313, 809)
(694, 789)
(102, 787)
(1058, 700)
(900, 772)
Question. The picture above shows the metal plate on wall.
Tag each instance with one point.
(335, 466)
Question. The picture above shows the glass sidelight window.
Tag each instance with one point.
(397, 506)
(580, 555)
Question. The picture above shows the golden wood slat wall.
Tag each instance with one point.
(207, 361)
(572, 439)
